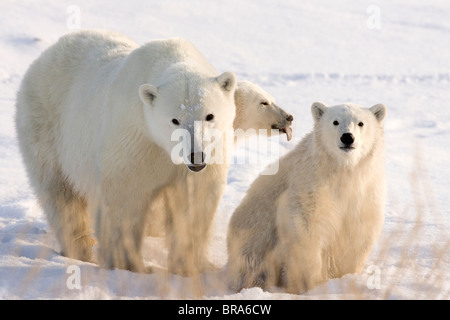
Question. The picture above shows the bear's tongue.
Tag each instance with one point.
(288, 131)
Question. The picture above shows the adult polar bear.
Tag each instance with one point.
(320, 215)
(256, 112)
(95, 116)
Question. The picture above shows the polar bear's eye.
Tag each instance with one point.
(176, 122)
(336, 123)
(209, 117)
(264, 103)
(361, 124)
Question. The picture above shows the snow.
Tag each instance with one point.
(364, 52)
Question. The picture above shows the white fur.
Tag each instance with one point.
(255, 109)
(321, 214)
(94, 122)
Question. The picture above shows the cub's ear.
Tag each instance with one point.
(317, 110)
(379, 110)
(227, 81)
(148, 93)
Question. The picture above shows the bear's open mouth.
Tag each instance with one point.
(196, 167)
(347, 148)
(288, 131)
(284, 129)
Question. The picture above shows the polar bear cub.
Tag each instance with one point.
(321, 214)
(256, 109)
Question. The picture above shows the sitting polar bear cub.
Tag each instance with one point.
(320, 215)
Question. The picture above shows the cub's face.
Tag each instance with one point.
(187, 125)
(256, 109)
(348, 132)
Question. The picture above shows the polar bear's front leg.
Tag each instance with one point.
(300, 245)
(120, 229)
(191, 213)
(303, 269)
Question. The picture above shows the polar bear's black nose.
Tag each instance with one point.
(347, 139)
(197, 158)
(290, 118)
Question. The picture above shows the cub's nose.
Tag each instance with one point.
(290, 118)
(347, 139)
(197, 158)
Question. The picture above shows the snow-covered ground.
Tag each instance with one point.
(394, 52)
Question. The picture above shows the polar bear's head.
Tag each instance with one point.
(256, 109)
(186, 114)
(348, 132)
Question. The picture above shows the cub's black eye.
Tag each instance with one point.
(209, 117)
(176, 122)
(336, 123)
(264, 103)
(361, 124)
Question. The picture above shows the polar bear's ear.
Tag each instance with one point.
(227, 81)
(317, 110)
(379, 110)
(147, 93)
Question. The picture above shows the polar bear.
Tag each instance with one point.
(98, 118)
(321, 214)
(256, 109)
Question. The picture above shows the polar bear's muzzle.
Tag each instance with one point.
(196, 167)
(197, 161)
(285, 126)
(347, 140)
